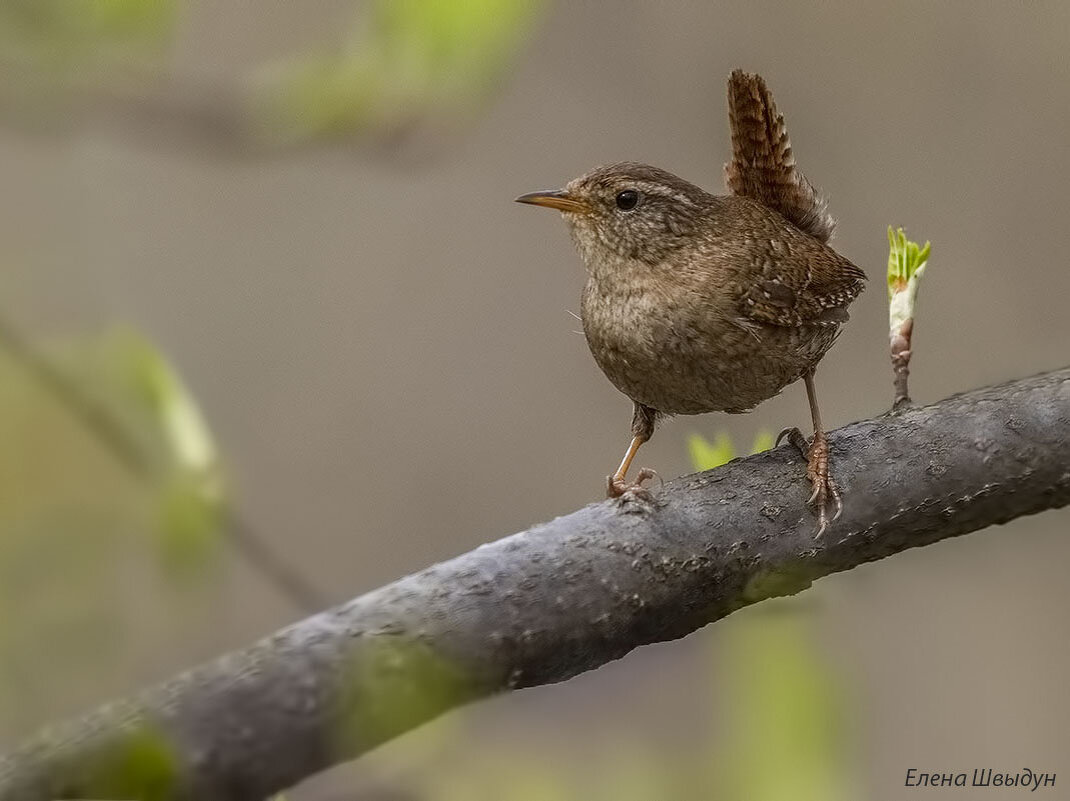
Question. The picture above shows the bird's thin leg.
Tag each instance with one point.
(642, 429)
(816, 453)
(826, 492)
(626, 462)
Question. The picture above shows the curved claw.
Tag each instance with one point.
(788, 433)
(645, 474)
(835, 490)
(620, 488)
(795, 437)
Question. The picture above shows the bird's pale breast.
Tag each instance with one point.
(683, 349)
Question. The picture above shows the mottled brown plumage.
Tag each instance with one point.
(696, 302)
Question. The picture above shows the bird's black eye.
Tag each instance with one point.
(627, 200)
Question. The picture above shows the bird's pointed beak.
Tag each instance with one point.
(555, 199)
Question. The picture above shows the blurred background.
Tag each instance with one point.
(272, 334)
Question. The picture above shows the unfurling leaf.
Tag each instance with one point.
(906, 263)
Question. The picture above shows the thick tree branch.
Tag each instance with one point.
(561, 598)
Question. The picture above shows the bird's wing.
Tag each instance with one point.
(763, 166)
(795, 289)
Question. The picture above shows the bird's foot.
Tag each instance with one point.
(623, 489)
(826, 494)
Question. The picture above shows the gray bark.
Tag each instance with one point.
(559, 599)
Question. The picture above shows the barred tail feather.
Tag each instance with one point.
(763, 166)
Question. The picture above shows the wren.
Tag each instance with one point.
(697, 302)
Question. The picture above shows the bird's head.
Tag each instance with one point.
(627, 210)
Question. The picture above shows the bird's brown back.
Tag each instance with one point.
(785, 276)
(763, 268)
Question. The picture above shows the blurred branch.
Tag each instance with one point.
(181, 112)
(404, 65)
(105, 428)
(100, 424)
(559, 599)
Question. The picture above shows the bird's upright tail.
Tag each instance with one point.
(763, 166)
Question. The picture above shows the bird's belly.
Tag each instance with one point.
(677, 362)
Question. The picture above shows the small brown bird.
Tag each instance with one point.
(698, 303)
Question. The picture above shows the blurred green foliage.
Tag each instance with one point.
(106, 469)
(401, 62)
(408, 59)
(392, 684)
(784, 726)
(141, 766)
(138, 408)
(706, 455)
(69, 37)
